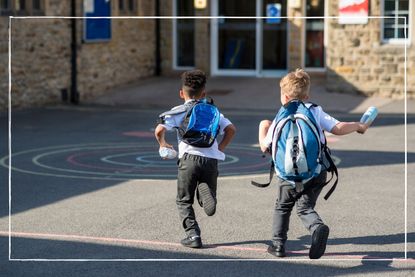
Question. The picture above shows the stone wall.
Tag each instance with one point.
(40, 58)
(41, 55)
(295, 29)
(166, 39)
(359, 62)
(127, 57)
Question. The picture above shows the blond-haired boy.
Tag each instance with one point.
(296, 86)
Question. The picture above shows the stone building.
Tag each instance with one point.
(366, 55)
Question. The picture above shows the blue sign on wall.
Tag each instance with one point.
(273, 13)
(97, 29)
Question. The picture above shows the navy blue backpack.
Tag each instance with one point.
(200, 126)
(296, 150)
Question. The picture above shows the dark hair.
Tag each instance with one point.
(193, 82)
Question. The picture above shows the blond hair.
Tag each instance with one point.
(296, 84)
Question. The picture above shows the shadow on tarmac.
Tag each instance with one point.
(351, 158)
(24, 248)
(303, 242)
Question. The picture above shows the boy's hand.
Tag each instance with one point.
(362, 128)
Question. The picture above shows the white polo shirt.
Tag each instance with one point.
(174, 121)
(325, 123)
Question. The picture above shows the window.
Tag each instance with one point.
(127, 6)
(21, 7)
(5, 7)
(314, 35)
(184, 35)
(36, 5)
(393, 27)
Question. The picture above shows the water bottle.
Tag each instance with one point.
(369, 115)
(167, 153)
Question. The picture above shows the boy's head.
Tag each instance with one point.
(295, 85)
(193, 84)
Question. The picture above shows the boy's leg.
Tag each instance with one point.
(311, 220)
(186, 185)
(208, 185)
(307, 202)
(281, 218)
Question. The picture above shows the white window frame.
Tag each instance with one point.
(174, 48)
(406, 41)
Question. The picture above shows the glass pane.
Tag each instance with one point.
(36, 5)
(389, 5)
(389, 33)
(237, 36)
(389, 22)
(131, 5)
(315, 8)
(401, 33)
(401, 21)
(185, 34)
(4, 4)
(121, 5)
(314, 41)
(404, 5)
(274, 47)
(20, 5)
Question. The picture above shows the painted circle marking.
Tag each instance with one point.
(122, 161)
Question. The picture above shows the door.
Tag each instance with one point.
(248, 46)
(236, 37)
(274, 36)
(184, 35)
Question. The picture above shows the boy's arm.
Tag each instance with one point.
(160, 136)
(229, 132)
(264, 126)
(344, 128)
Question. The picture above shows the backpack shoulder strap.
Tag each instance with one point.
(311, 104)
(333, 169)
(272, 168)
(177, 110)
(271, 175)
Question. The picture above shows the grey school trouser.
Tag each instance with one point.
(193, 170)
(305, 207)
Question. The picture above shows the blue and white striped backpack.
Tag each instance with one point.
(200, 126)
(296, 150)
(296, 147)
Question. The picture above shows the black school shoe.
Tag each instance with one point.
(192, 242)
(319, 242)
(277, 250)
(206, 199)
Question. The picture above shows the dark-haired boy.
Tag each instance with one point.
(198, 167)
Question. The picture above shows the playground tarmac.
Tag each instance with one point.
(91, 197)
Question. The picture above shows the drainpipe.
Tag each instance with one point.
(158, 53)
(74, 54)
